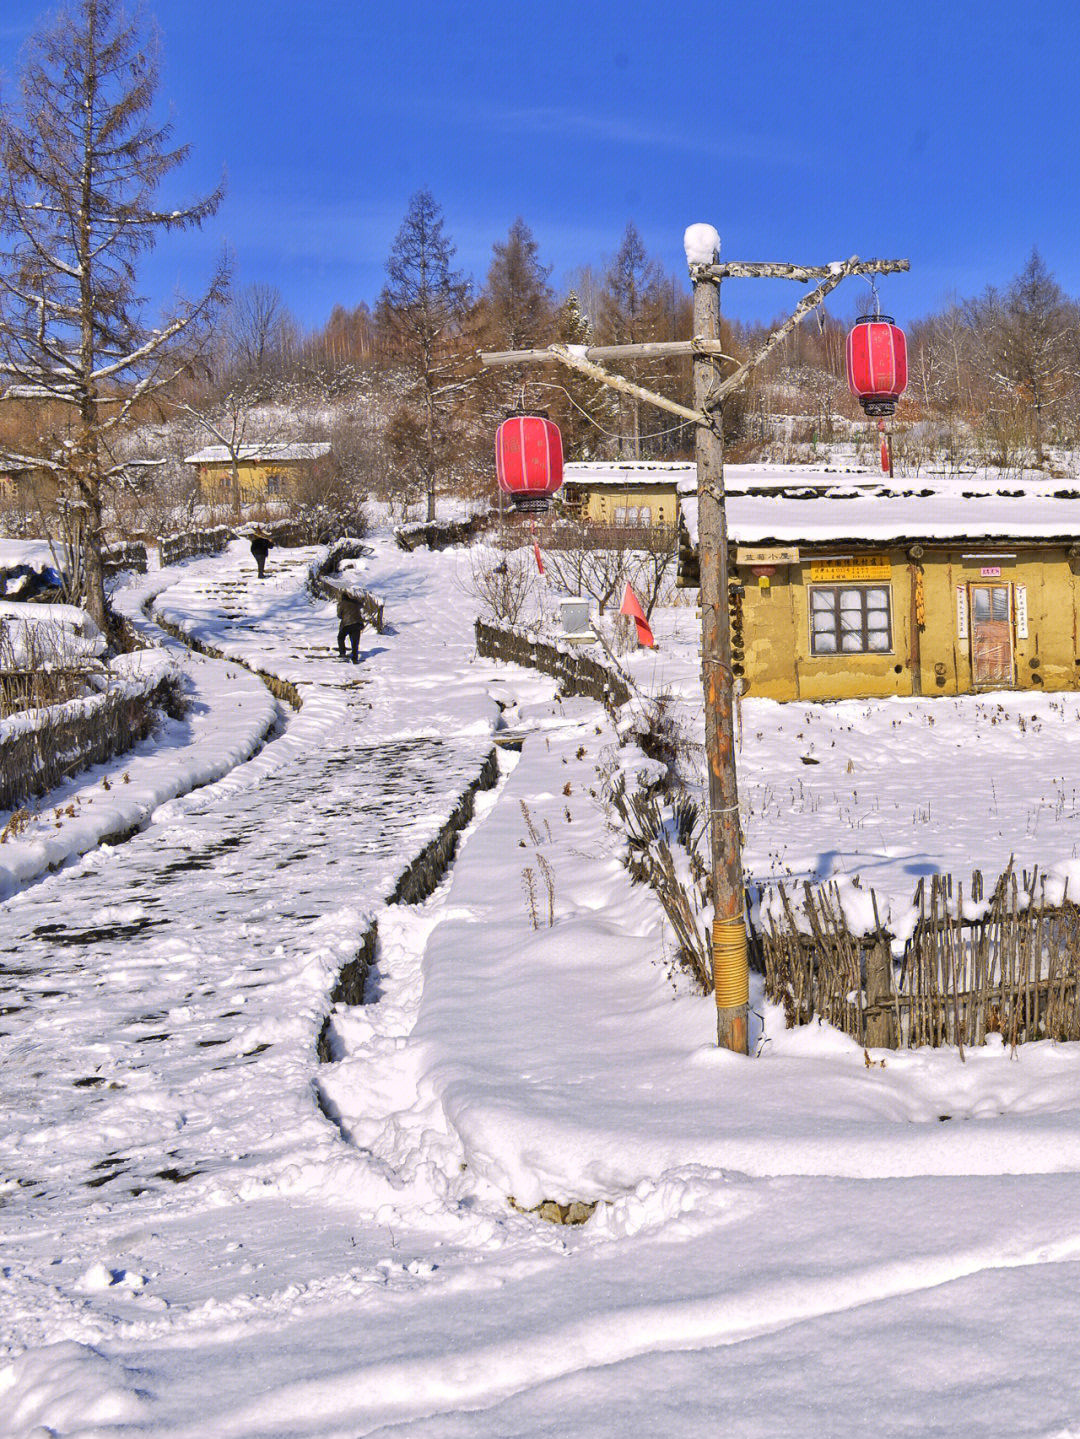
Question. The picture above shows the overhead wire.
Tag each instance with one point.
(611, 434)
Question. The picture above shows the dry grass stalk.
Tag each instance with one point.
(528, 879)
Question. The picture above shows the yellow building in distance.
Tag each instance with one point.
(268, 471)
(624, 494)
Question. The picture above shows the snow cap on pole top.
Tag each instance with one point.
(702, 244)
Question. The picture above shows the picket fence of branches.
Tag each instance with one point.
(1007, 963)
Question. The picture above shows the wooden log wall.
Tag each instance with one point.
(577, 673)
(174, 548)
(127, 555)
(441, 534)
(324, 582)
(37, 758)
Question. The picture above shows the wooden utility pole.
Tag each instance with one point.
(730, 969)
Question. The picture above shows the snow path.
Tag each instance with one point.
(230, 713)
(162, 1000)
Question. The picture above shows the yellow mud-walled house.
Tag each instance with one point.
(632, 494)
(852, 588)
(266, 471)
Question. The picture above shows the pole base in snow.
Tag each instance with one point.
(731, 1029)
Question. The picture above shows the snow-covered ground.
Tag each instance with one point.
(887, 790)
(207, 1232)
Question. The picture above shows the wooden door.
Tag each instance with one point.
(991, 636)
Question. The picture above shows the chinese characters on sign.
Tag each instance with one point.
(850, 567)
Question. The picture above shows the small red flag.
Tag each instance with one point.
(631, 607)
(539, 561)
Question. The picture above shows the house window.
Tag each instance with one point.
(850, 619)
(633, 515)
(274, 485)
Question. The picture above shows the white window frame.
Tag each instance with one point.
(839, 587)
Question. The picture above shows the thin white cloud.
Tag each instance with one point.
(717, 141)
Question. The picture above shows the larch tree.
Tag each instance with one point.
(1025, 340)
(514, 311)
(423, 306)
(633, 308)
(516, 300)
(81, 158)
(586, 410)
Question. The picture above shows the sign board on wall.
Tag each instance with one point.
(1020, 611)
(745, 556)
(850, 567)
(961, 612)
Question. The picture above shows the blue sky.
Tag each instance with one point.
(947, 133)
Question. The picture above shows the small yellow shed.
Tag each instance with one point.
(624, 495)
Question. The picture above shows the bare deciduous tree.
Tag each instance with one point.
(505, 586)
(597, 560)
(262, 334)
(81, 158)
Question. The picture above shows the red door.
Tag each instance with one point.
(991, 636)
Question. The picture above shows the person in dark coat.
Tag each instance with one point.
(350, 626)
(260, 548)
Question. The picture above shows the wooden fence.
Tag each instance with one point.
(174, 548)
(441, 534)
(1007, 963)
(577, 673)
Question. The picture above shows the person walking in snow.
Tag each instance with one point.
(350, 625)
(260, 548)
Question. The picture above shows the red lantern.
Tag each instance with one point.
(877, 363)
(528, 461)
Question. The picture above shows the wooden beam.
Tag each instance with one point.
(809, 302)
(572, 356)
(764, 270)
(654, 349)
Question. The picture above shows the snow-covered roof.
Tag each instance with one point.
(629, 473)
(269, 452)
(798, 505)
(753, 519)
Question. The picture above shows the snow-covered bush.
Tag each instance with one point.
(47, 653)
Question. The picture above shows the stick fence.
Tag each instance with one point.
(1008, 964)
